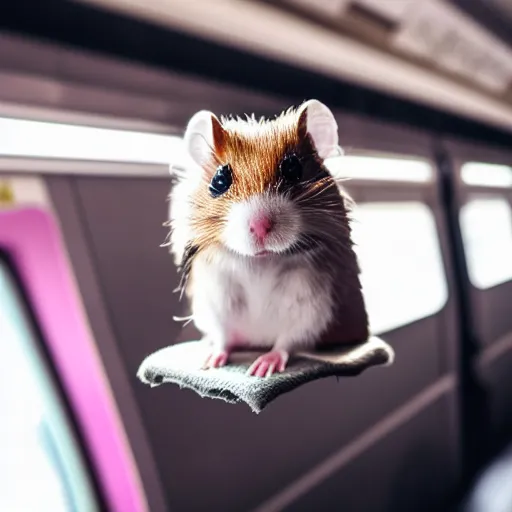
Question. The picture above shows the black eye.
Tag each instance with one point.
(221, 181)
(291, 168)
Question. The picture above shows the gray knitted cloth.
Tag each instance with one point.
(180, 364)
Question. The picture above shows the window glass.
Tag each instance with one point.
(25, 138)
(39, 139)
(379, 168)
(402, 270)
(486, 175)
(41, 468)
(486, 226)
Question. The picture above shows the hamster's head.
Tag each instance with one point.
(258, 188)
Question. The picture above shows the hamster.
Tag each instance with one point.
(260, 234)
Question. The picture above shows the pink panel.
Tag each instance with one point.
(32, 239)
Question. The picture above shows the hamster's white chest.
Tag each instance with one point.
(262, 314)
(259, 305)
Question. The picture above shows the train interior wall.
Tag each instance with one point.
(389, 439)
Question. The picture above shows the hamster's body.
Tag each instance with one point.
(260, 232)
(261, 303)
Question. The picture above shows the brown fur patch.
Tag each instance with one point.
(254, 149)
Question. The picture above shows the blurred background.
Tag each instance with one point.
(94, 99)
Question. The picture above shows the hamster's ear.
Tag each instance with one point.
(319, 122)
(204, 135)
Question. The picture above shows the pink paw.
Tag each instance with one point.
(216, 359)
(269, 363)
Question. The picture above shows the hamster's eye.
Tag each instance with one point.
(291, 168)
(221, 181)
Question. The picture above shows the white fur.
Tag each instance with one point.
(199, 137)
(323, 129)
(180, 210)
(281, 308)
(237, 237)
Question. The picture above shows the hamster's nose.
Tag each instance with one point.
(261, 226)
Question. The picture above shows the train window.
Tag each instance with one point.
(401, 262)
(41, 467)
(486, 226)
(486, 175)
(25, 138)
(379, 168)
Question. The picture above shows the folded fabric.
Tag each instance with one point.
(181, 364)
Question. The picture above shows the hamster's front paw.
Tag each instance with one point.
(269, 363)
(216, 359)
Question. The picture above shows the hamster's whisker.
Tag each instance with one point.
(331, 209)
(314, 191)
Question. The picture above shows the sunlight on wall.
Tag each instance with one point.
(402, 269)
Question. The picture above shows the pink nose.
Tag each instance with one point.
(260, 227)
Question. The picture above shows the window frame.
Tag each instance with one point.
(31, 238)
(43, 356)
